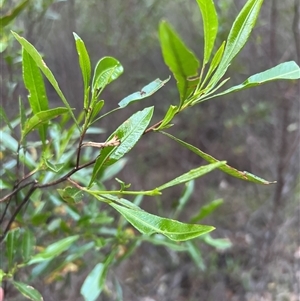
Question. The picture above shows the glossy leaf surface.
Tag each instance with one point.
(34, 83)
(181, 60)
(128, 133)
(146, 91)
(210, 26)
(107, 70)
(112, 198)
(238, 36)
(28, 291)
(149, 224)
(243, 175)
(54, 249)
(288, 71)
(192, 174)
(42, 117)
(172, 111)
(214, 63)
(85, 64)
(46, 71)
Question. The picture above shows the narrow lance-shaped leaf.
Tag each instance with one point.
(146, 91)
(184, 198)
(195, 254)
(206, 210)
(210, 26)
(91, 287)
(149, 224)
(218, 243)
(192, 174)
(214, 63)
(95, 281)
(54, 249)
(5, 20)
(85, 66)
(71, 195)
(172, 111)
(238, 36)
(23, 117)
(3, 117)
(243, 175)
(11, 245)
(128, 134)
(28, 244)
(288, 71)
(34, 83)
(42, 117)
(28, 291)
(107, 70)
(46, 71)
(181, 60)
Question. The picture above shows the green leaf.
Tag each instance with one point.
(54, 167)
(288, 71)
(98, 105)
(71, 195)
(192, 174)
(210, 26)
(218, 243)
(22, 113)
(181, 61)
(112, 198)
(196, 255)
(107, 70)
(54, 249)
(11, 245)
(2, 275)
(34, 83)
(96, 279)
(3, 116)
(172, 111)
(91, 287)
(28, 244)
(46, 71)
(238, 36)
(113, 170)
(145, 92)
(189, 188)
(207, 210)
(214, 63)
(85, 66)
(128, 133)
(28, 291)
(42, 117)
(149, 224)
(5, 20)
(243, 175)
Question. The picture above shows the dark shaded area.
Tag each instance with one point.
(255, 130)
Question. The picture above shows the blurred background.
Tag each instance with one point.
(256, 130)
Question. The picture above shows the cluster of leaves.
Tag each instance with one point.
(63, 161)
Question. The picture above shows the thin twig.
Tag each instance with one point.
(15, 191)
(115, 141)
(18, 209)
